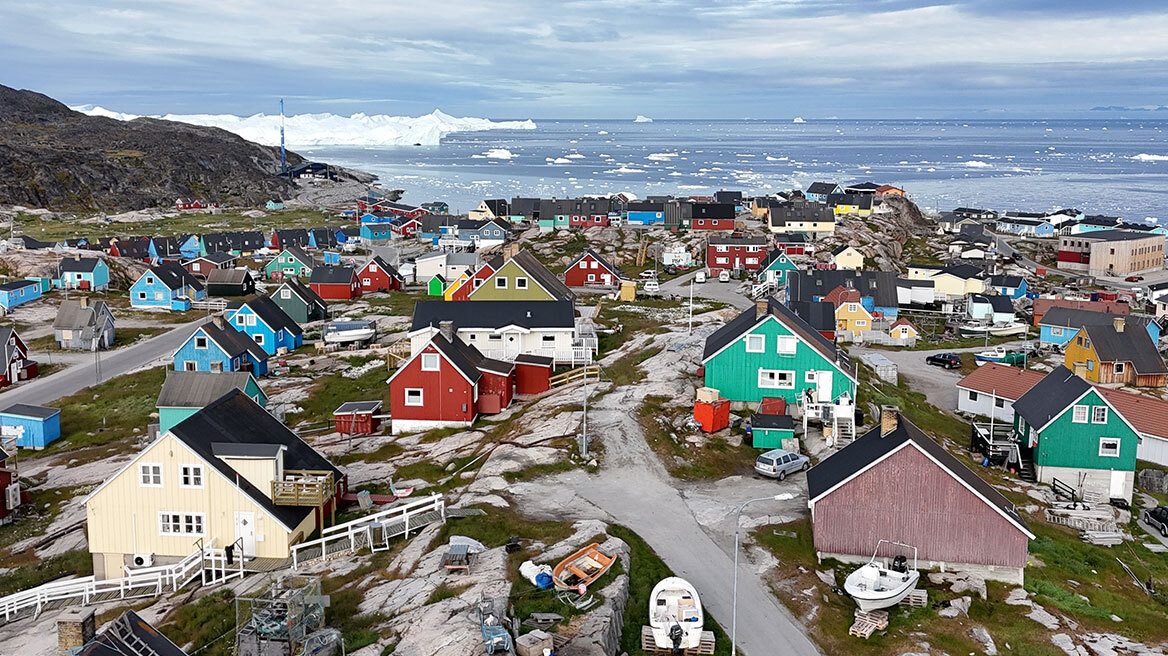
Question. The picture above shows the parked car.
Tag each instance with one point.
(1157, 518)
(700, 277)
(648, 274)
(670, 270)
(723, 276)
(1134, 279)
(652, 286)
(777, 463)
(944, 360)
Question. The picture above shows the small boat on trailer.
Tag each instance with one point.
(581, 568)
(346, 331)
(879, 585)
(675, 616)
(995, 354)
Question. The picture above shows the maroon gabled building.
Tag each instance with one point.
(590, 269)
(336, 283)
(712, 216)
(731, 252)
(895, 483)
(379, 276)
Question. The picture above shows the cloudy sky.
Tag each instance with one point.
(593, 58)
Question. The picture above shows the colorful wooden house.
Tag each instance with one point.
(14, 353)
(768, 431)
(735, 253)
(33, 426)
(1059, 325)
(335, 282)
(847, 257)
(18, 292)
(591, 269)
(1114, 353)
(289, 238)
(522, 278)
(1013, 287)
(712, 216)
(377, 275)
(768, 350)
(447, 383)
(1073, 434)
(850, 314)
(266, 324)
(13, 496)
(84, 325)
(200, 267)
(184, 393)
(476, 279)
(819, 191)
(436, 285)
(84, 273)
(166, 286)
(230, 282)
(299, 302)
(215, 347)
(291, 262)
(452, 289)
(902, 328)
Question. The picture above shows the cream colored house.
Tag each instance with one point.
(231, 473)
(951, 282)
(847, 257)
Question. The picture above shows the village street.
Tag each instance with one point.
(724, 292)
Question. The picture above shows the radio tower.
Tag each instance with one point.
(283, 157)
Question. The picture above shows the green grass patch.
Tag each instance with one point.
(331, 390)
(717, 458)
(538, 470)
(34, 518)
(30, 575)
(496, 528)
(127, 336)
(381, 454)
(201, 624)
(183, 223)
(441, 593)
(627, 368)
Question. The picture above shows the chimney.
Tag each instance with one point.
(84, 301)
(509, 250)
(75, 628)
(77, 257)
(446, 329)
(889, 419)
(761, 308)
(218, 321)
(1118, 322)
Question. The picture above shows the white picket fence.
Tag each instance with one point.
(373, 530)
(206, 561)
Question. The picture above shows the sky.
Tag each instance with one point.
(595, 58)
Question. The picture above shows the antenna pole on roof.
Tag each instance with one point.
(283, 153)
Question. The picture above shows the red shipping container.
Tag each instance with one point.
(772, 405)
(713, 417)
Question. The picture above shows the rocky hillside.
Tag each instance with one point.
(52, 157)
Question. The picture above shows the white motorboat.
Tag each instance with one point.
(345, 331)
(675, 615)
(880, 585)
(1005, 329)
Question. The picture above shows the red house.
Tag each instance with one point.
(338, 283)
(896, 484)
(730, 253)
(793, 243)
(193, 204)
(10, 490)
(379, 276)
(447, 383)
(587, 220)
(14, 352)
(357, 418)
(406, 227)
(201, 266)
(589, 269)
(476, 279)
(712, 216)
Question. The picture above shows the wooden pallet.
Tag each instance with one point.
(868, 622)
(649, 646)
(863, 629)
(917, 599)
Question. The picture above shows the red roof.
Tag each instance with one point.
(842, 294)
(904, 322)
(1043, 305)
(1147, 414)
(1001, 380)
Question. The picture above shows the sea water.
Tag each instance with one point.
(1116, 167)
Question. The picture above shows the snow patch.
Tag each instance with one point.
(625, 169)
(661, 157)
(798, 119)
(496, 153)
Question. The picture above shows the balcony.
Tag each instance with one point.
(303, 487)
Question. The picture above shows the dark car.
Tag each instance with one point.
(945, 360)
(1134, 279)
(1157, 518)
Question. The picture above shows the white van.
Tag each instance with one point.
(700, 277)
(723, 276)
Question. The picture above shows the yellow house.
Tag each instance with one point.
(903, 329)
(230, 473)
(454, 286)
(847, 257)
(851, 317)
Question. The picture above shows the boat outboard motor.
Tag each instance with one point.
(900, 564)
(676, 633)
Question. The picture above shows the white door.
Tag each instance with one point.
(245, 532)
(823, 387)
(1118, 484)
(511, 346)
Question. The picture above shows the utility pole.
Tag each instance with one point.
(584, 420)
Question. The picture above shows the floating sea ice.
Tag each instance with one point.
(1146, 157)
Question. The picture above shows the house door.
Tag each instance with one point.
(823, 386)
(14, 372)
(1081, 370)
(1118, 484)
(245, 532)
(511, 346)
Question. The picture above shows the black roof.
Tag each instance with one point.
(358, 407)
(299, 253)
(1006, 281)
(729, 332)
(1132, 345)
(854, 457)
(821, 187)
(331, 275)
(236, 419)
(303, 291)
(115, 639)
(292, 237)
(532, 359)
(1113, 235)
(78, 264)
(33, 411)
(599, 258)
(34, 244)
(841, 248)
(271, 314)
(782, 212)
(18, 284)
(790, 238)
(733, 240)
(324, 237)
(771, 421)
(820, 315)
(733, 197)
(646, 206)
(174, 276)
(1050, 397)
(1064, 317)
(862, 187)
(494, 314)
(195, 389)
(807, 285)
(713, 210)
(524, 206)
(996, 302)
(498, 206)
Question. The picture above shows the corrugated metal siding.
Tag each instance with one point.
(907, 498)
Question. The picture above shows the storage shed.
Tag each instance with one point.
(769, 431)
(357, 418)
(532, 373)
(884, 368)
(33, 426)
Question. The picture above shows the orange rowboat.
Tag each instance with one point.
(581, 568)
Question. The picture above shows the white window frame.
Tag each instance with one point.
(192, 473)
(1095, 418)
(1118, 368)
(156, 473)
(861, 323)
(171, 523)
(190, 365)
(432, 357)
(1056, 332)
(421, 394)
(758, 339)
(206, 343)
(259, 338)
(1110, 440)
(764, 381)
(500, 282)
(251, 319)
(1080, 414)
(520, 282)
(789, 340)
(285, 293)
(811, 376)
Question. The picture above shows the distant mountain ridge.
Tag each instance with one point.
(56, 158)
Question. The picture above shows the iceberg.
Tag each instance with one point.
(332, 129)
(798, 119)
(1145, 157)
(642, 119)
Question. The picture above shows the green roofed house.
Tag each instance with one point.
(186, 392)
(1073, 434)
(768, 351)
(436, 285)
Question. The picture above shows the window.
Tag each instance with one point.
(149, 280)
(240, 320)
(755, 343)
(372, 267)
(172, 523)
(141, 296)
(259, 339)
(1056, 332)
(285, 294)
(1079, 414)
(811, 376)
(721, 260)
(1118, 368)
(1109, 447)
(972, 395)
(430, 362)
(787, 345)
(999, 403)
(191, 475)
(149, 474)
(772, 379)
(501, 283)
(158, 296)
(860, 323)
(852, 307)
(251, 319)
(217, 367)
(413, 396)
(521, 283)
(200, 342)
(1099, 414)
(190, 365)
(495, 337)
(592, 277)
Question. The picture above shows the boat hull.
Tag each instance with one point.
(346, 336)
(675, 615)
(873, 591)
(581, 568)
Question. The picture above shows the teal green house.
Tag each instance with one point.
(1070, 432)
(775, 268)
(292, 262)
(186, 392)
(772, 352)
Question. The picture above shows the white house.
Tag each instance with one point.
(503, 330)
(991, 389)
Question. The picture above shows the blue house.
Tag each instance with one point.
(19, 292)
(374, 226)
(34, 426)
(190, 247)
(645, 213)
(1011, 286)
(332, 258)
(214, 347)
(819, 191)
(1059, 325)
(266, 324)
(90, 273)
(167, 286)
(1026, 225)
